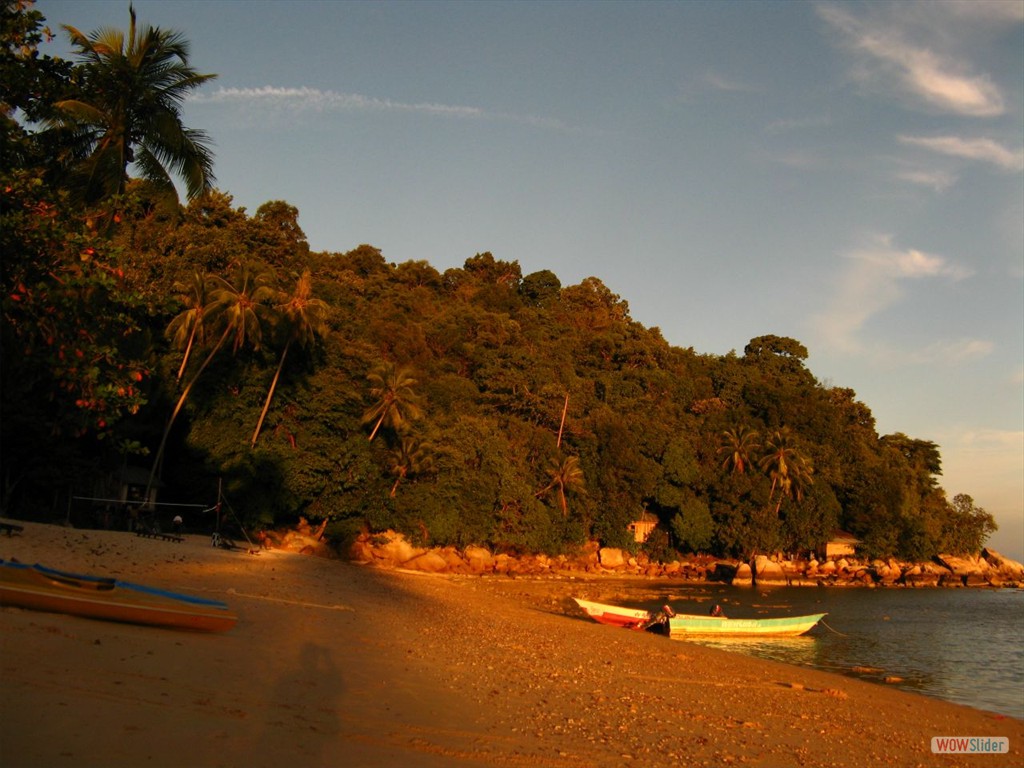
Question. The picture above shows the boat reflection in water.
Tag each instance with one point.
(802, 650)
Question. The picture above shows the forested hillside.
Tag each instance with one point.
(475, 405)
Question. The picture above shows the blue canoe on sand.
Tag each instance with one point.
(46, 589)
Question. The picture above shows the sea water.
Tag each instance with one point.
(962, 645)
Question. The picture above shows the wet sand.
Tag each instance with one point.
(335, 664)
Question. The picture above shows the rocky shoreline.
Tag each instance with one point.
(332, 663)
(392, 550)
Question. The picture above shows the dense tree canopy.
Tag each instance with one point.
(477, 405)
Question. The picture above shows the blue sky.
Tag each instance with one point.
(847, 174)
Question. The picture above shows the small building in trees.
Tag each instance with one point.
(642, 528)
(132, 484)
(842, 544)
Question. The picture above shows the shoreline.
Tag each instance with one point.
(987, 570)
(335, 663)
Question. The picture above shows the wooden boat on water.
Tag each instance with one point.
(46, 589)
(686, 625)
(692, 625)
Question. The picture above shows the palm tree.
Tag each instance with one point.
(409, 457)
(129, 111)
(788, 468)
(188, 327)
(741, 443)
(234, 307)
(396, 400)
(566, 476)
(303, 318)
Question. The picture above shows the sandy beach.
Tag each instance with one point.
(335, 664)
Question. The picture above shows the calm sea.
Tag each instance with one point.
(963, 645)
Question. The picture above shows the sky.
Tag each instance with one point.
(847, 174)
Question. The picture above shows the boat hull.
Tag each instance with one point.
(685, 625)
(45, 589)
(693, 625)
(631, 618)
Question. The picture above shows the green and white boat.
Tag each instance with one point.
(689, 625)
(692, 625)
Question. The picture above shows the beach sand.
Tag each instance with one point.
(333, 664)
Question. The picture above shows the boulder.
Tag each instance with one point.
(864, 576)
(917, 577)
(743, 577)
(480, 560)
(393, 548)
(887, 574)
(611, 557)
(726, 572)
(1003, 568)
(361, 550)
(768, 572)
(960, 566)
(431, 561)
(455, 562)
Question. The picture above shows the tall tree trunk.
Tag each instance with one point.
(561, 426)
(270, 395)
(177, 409)
(188, 351)
(377, 426)
(394, 488)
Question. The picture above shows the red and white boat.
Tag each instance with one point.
(631, 618)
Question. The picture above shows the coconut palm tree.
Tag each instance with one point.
(234, 308)
(396, 400)
(788, 468)
(132, 89)
(740, 444)
(303, 318)
(188, 326)
(409, 457)
(565, 476)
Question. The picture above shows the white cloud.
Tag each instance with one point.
(718, 82)
(982, 150)
(952, 352)
(884, 54)
(695, 85)
(939, 181)
(997, 11)
(314, 99)
(873, 282)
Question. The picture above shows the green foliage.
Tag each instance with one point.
(693, 526)
(117, 318)
(124, 109)
(967, 526)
